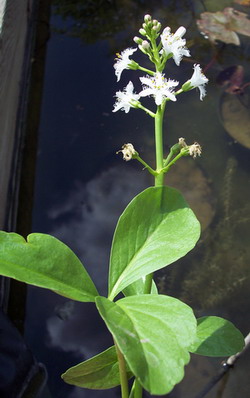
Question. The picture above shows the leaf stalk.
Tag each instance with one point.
(123, 372)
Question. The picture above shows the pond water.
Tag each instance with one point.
(82, 186)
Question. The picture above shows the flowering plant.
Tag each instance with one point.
(153, 334)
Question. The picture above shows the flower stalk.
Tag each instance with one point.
(159, 179)
(159, 48)
(148, 71)
(146, 166)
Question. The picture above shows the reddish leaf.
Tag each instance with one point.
(223, 25)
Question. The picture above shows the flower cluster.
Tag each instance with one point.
(155, 84)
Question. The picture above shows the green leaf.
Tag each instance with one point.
(156, 229)
(217, 337)
(153, 332)
(99, 372)
(46, 262)
(137, 287)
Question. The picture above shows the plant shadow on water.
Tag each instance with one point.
(82, 186)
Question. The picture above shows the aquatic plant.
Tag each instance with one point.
(153, 333)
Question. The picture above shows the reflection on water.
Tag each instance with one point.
(82, 186)
(93, 210)
(225, 272)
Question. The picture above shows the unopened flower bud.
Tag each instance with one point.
(155, 22)
(147, 18)
(182, 142)
(159, 26)
(137, 40)
(128, 152)
(145, 45)
(142, 50)
(142, 32)
(175, 149)
(144, 25)
(187, 86)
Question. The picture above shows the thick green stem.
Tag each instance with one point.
(137, 389)
(156, 55)
(123, 373)
(159, 179)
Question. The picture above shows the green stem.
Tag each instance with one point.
(150, 72)
(179, 91)
(123, 373)
(174, 150)
(168, 158)
(137, 389)
(166, 168)
(131, 395)
(148, 111)
(156, 55)
(151, 171)
(159, 179)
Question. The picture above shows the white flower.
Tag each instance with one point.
(198, 79)
(194, 150)
(174, 44)
(128, 151)
(159, 87)
(126, 99)
(123, 61)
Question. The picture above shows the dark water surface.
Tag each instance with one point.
(82, 186)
